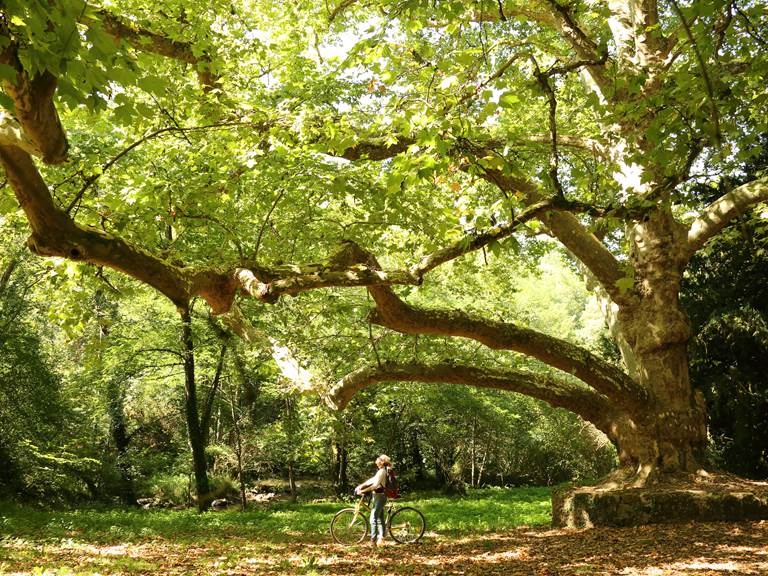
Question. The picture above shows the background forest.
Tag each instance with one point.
(92, 384)
(92, 390)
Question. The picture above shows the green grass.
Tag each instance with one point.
(96, 540)
(487, 510)
(480, 511)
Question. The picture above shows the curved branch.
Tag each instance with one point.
(55, 234)
(554, 213)
(477, 241)
(570, 232)
(584, 47)
(340, 7)
(147, 41)
(377, 149)
(42, 133)
(718, 214)
(309, 278)
(397, 315)
(557, 392)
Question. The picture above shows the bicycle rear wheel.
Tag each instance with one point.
(406, 525)
(348, 527)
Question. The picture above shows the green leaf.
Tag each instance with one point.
(122, 74)
(508, 100)
(492, 162)
(394, 181)
(487, 110)
(625, 284)
(8, 73)
(7, 204)
(7, 103)
(152, 84)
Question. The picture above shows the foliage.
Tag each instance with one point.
(725, 293)
(43, 445)
(227, 137)
(506, 508)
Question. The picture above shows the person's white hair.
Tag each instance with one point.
(384, 459)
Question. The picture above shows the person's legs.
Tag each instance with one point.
(379, 500)
(377, 518)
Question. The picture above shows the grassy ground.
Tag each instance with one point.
(490, 532)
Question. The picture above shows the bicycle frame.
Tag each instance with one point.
(409, 521)
(362, 503)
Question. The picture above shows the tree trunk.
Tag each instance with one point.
(661, 447)
(116, 400)
(670, 436)
(195, 433)
(340, 466)
(472, 454)
(234, 401)
(292, 479)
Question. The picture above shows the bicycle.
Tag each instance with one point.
(405, 524)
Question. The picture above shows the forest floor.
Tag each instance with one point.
(293, 540)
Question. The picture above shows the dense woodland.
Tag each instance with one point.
(507, 243)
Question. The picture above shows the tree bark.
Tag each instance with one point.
(194, 430)
(122, 440)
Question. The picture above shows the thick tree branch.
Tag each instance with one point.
(594, 147)
(718, 214)
(352, 266)
(147, 41)
(41, 130)
(557, 392)
(584, 47)
(564, 226)
(395, 314)
(376, 149)
(570, 232)
(11, 134)
(55, 234)
(252, 280)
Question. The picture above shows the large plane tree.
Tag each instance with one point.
(446, 127)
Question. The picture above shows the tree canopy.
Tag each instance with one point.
(240, 153)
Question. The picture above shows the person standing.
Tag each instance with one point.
(376, 484)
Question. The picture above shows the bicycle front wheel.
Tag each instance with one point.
(406, 525)
(349, 526)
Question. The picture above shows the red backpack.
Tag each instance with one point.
(391, 485)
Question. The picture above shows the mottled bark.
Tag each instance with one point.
(599, 374)
(723, 210)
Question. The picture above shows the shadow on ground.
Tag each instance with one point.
(662, 550)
